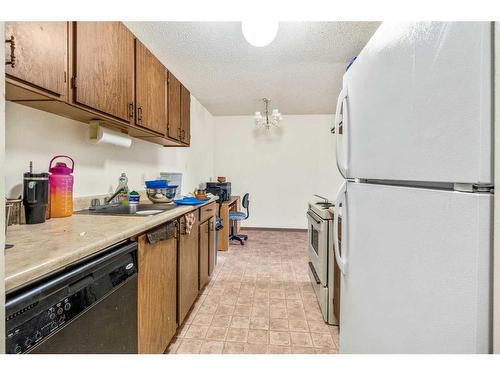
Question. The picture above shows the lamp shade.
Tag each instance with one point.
(259, 33)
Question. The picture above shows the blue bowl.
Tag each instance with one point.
(156, 184)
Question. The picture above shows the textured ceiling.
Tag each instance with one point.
(300, 71)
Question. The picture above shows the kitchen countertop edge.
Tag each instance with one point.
(20, 272)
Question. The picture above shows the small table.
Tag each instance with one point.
(233, 204)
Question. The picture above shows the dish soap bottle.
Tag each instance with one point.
(123, 187)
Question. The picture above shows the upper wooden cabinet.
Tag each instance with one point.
(40, 54)
(103, 68)
(185, 135)
(174, 108)
(149, 90)
(96, 71)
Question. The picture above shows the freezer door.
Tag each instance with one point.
(416, 270)
(417, 104)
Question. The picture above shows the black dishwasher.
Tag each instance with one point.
(90, 308)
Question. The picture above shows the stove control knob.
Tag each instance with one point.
(38, 335)
(53, 325)
(60, 311)
(27, 342)
(52, 316)
(18, 349)
(67, 306)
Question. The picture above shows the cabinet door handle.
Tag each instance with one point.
(211, 225)
(139, 114)
(131, 110)
(180, 132)
(12, 42)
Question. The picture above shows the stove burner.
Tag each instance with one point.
(325, 204)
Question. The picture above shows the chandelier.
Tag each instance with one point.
(266, 119)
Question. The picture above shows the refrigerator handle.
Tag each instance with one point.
(340, 118)
(340, 201)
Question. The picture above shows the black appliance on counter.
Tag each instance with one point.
(90, 308)
(35, 196)
(222, 189)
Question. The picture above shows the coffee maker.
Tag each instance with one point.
(35, 196)
(221, 189)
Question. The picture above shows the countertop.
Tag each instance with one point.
(43, 249)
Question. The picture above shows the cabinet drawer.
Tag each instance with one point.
(207, 211)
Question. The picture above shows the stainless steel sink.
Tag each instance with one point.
(119, 210)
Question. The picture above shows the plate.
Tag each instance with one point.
(190, 201)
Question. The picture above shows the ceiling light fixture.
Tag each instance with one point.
(266, 119)
(259, 33)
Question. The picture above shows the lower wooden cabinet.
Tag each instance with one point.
(173, 267)
(187, 271)
(203, 262)
(157, 299)
(211, 245)
(207, 244)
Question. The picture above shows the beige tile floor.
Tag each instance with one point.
(259, 300)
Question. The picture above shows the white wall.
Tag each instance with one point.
(36, 135)
(280, 169)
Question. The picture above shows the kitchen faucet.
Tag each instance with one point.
(109, 199)
(122, 186)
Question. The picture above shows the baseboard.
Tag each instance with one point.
(275, 229)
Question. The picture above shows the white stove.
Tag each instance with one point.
(321, 207)
(321, 258)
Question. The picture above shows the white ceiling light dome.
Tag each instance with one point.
(259, 33)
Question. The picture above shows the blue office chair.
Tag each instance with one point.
(238, 216)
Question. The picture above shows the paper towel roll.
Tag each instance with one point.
(101, 135)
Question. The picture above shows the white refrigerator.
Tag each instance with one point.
(414, 144)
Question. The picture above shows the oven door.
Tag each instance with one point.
(318, 245)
